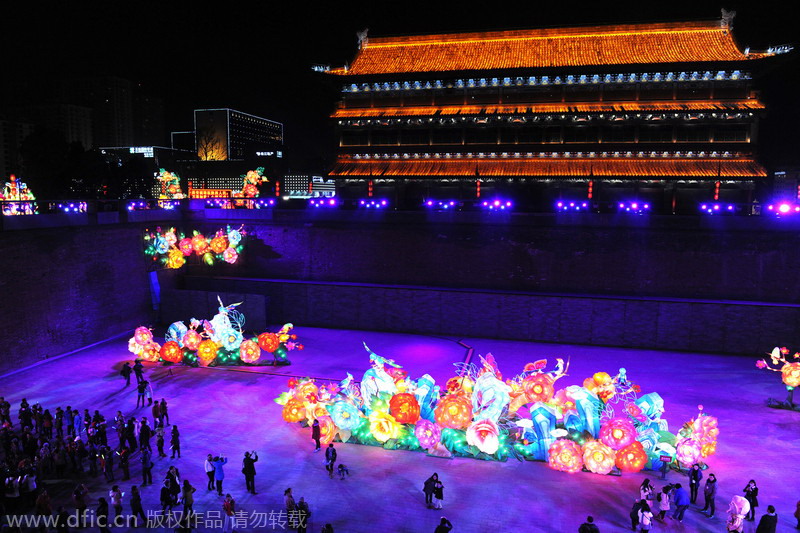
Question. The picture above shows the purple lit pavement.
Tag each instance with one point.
(230, 411)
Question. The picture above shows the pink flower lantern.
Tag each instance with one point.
(598, 457)
(428, 434)
(618, 433)
(484, 435)
(565, 456)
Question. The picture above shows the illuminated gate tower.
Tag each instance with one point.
(660, 112)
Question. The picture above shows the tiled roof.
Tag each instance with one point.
(579, 46)
(599, 107)
(623, 167)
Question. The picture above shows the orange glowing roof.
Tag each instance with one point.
(600, 107)
(559, 47)
(630, 168)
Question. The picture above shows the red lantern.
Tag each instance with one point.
(404, 408)
(632, 457)
(206, 352)
(269, 342)
(199, 244)
(293, 411)
(172, 352)
(454, 411)
(538, 387)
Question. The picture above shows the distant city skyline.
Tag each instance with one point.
(259, 60)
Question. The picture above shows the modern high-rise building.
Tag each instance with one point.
(227, 134)
(12, 133)
(664, 112)
(111, 101)
(72, 121)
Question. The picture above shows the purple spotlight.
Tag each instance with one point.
(485, 204)
(497, 203)
(704, 207)
(716, 207)
(362, 202)
(730, 207)
(635, 206)
(621, 206)
(383, 202)
(784, 208)
(647, 206)
(560, 204)
(429, 203)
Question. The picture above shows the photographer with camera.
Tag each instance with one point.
(249, 471)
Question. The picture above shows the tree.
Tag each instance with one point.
(210, 146)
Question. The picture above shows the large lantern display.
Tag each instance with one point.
(219, 341)
(600, 426)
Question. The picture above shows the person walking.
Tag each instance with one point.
(136, 505)
(160, 441)
(695, 475)
(589, 526)
(175, 442)
(768, 522)
(126, 373)
(645, 517)
(663, 502)
(209, 468)
(427, 488)
(148, 393)
(751, 495)
(709, 493)
(147, 468)
(444, 526)
(315, 434)
(187, 493)
(229, 511)
(219, 472)
(330, 459)
(682, 502)
(124, 462)
(249, 471)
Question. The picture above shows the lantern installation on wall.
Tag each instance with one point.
(170, 248)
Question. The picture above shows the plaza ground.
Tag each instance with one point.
(230, 411)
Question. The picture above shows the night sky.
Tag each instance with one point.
(257, 58)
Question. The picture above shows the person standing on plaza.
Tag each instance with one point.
(249, 471)
(219, 473)
(288, 501)
(147, 467)
(768, 522)
(160, 441)
(682, 502)
(138, 369)
(187, 493)
(102, 515)
(303, 514)
(167, 498)
(164, 412)
(136, 505)
(634, 514)
(229, 512)
(77, 421)
(126, 373)
(709, 493)
(645, 517)
(695, 476)
(145, 434)
(427, 488)
(124, 462)
(209, 468)
(148, 393)
(444, 526)
(646, 490)
(156, 412)
(315, 434)
(115, 496)
(69, 418)
(751, 495)
(175, 442)
(141, 387)
(330, 459)
(438, 494)
(589, 526)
